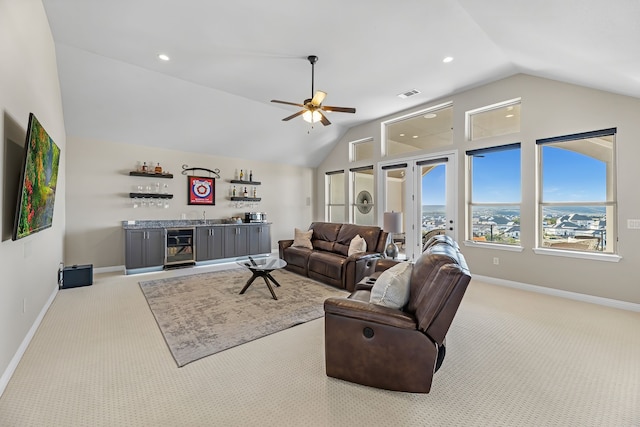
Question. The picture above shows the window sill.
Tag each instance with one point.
(497, 246)
(576, 254)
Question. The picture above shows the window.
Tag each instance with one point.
(494, 120)
(362, 150)
(362, 203)
(495, 194)
(426, 129)
(335, 208)
(577, 201)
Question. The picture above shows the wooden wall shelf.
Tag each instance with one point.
(150, 196)
(151, 174)
(237, 181)
(246, 199)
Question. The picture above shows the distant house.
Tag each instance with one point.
(513, 232)
(581, 220)
(565, 229)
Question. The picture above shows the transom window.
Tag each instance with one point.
(494, 120)
(420, 131)
(362, 150)
(577, 201)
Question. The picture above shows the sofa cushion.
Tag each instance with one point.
(327, 264)
(357, 245)
(302, 239)
(348, 231)
(392, 287)
(322, 245)
(327, 231)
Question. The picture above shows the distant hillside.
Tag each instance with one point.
(439, 210)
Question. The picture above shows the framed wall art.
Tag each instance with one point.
(202, 190)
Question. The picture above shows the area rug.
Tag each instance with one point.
(203, 314)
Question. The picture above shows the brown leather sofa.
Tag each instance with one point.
(393, 349)
(328, 261)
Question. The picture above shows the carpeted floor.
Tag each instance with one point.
(203, 314)
(514, 358)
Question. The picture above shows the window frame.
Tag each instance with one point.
(470, 203)
(485, 109)
(610, 202)
(353, 149)
(329, 205)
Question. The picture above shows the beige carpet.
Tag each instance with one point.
(514, 358)
(203, 314)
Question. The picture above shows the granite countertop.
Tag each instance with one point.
(173, 223)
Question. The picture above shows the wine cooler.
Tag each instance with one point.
(180, 248)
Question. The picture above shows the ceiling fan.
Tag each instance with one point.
(312, 108)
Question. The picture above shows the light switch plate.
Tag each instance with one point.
(633, 223)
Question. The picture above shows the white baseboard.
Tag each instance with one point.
(112, 269)
(8, 373)
(608, 302)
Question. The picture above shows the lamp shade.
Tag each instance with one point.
(393, 222)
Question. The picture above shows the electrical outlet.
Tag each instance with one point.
(496, 260)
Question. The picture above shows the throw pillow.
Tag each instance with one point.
(302, 239)
(391, 289)
(358, 244)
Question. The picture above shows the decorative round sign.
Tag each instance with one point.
(201, 189)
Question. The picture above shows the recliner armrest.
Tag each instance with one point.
(369, 312)
(364, 255)
(385, 264)
(282, 245)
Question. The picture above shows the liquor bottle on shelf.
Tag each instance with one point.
(158, 168)
(234, 191)
(241, 174)
(251, 175)
(245, 192)
(255, 192)
(144, 167)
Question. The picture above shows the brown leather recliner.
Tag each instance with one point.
(395, 349)
(329, 261)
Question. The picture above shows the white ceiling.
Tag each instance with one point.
(230, 58)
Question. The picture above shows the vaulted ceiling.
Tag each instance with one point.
(230, 58)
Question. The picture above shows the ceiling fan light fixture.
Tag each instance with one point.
(311, 116)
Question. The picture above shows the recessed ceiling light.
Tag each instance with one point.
(163, 57)
(402, 134)
(430, 116)
(414, 136)
(509, 116)
(447, 59)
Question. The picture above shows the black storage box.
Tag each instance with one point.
(76, 275)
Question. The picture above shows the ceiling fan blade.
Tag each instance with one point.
(288, 103)
(338, 109)
(318, 98)
(293, 116)
(323, 119)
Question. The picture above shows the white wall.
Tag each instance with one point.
(549, 108)
(28, 83)
(99, 185)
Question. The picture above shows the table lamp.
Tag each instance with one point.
(392, 225)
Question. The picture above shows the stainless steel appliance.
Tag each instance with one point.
(180, 248)
(255, 217)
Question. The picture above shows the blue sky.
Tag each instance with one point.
(568, 176)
